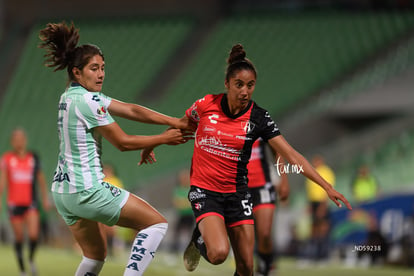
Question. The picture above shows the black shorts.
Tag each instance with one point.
(264, 196)
(234, 208)
(315, 219)
(17, 212)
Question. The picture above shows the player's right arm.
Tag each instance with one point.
(124, 142)
(147, 154)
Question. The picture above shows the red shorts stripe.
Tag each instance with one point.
(265, 205)
(237, 223)
(207, 215)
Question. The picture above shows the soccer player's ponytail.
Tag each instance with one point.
(60, 42)
(237, 61)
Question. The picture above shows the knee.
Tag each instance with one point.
(95, 252)
(217, 255)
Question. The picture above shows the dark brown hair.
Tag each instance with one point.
(60, 41)
(237, 61)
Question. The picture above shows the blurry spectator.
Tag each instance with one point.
(21, 175)
(185, 218)
(317, 248)
(365, 186)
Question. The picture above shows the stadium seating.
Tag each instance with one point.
(135, 50)
(296, 55)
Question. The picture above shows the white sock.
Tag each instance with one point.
(142, 252)
(89, 267)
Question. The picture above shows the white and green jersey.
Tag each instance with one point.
(79, 165)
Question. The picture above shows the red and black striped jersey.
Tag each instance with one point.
(223, 142)
(258, 167)
(21, 174)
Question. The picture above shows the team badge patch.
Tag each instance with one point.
(199, 205)
(247, 126)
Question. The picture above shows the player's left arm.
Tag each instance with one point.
(280, 145)
(148, 155)
(282, 188)
(41, 180)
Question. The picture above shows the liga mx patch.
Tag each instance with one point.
(101, 112)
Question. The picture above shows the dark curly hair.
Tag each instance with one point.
(60, 42)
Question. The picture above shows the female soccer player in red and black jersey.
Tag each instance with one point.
(228, 124)
(262, 184)
(21, 174)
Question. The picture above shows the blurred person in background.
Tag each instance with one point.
(364, 186)
(185, 218)
(317, 248)
(112, 178)
(228, 124)
(22, 176)
(81, 196)
(263, 184)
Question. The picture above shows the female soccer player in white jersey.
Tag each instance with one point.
(84, 116)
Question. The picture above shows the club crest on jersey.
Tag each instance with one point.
(247, 126)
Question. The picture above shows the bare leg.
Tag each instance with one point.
(91, 238)
(18, 226)
(242, 242)
(263, 226)
(214, 233)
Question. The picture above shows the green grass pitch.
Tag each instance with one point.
(51, 261)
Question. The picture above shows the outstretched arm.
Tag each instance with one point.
(282, 188)
(147, 154)
(280, 145)
(143, 114)
(124, 142)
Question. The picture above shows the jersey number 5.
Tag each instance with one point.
(247, 207)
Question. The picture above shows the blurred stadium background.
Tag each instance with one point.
(337, 76)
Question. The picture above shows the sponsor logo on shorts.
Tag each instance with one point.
(197, 194)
